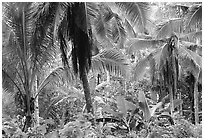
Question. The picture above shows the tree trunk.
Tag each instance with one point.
(172, 70)
(87, 93)
(28, 120)
(196, 91)
(180, 106)
(196, 101)
(36, 114)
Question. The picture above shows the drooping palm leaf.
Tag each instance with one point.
(187, 44)
(136, 12)
(192, 55)
(42, 40)
(194, 16)
(166, 29)
(121, 31)
(135, 44)
(9, 83)
(107, 12)
(92, 10)
(54, 78)
(113, 61)
(141, 67)
(129, 29)
(196, 35)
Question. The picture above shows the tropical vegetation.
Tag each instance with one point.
(101, 69)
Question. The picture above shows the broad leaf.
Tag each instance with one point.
(154, 108)
(54, 134)
(140, 69)
(144, 106)
(130, 105)
(121, 105)
(176, 103)
(49, 121)
(115, 114)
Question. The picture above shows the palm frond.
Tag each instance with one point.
(166, 29)
(56, 77)
(189, 44)
(130, 30)
(194, 57)
(59, 16)
(111, 60)
(136, 12)
(157, 58)
(42, 45)
(121, 30)
(194, 16)
(135, 44)
(107, 12)
(141, 68)
(9, 82)
(101, 22)
(18, 19)
(186, 43)
(196, 35)
(92, 10)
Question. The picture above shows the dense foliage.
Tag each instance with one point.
(102, 70)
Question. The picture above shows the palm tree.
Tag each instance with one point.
(69, 22)
(75, 22)
(28, 48)
(160, 54)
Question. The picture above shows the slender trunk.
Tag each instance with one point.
(36, 114)
(87, 93)
(28, 120)
(196, 92)
(171, 100)
(180, 106)
(196, 101)
(172, 70)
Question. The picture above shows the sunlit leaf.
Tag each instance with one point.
(144, 106)
(121, 104)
